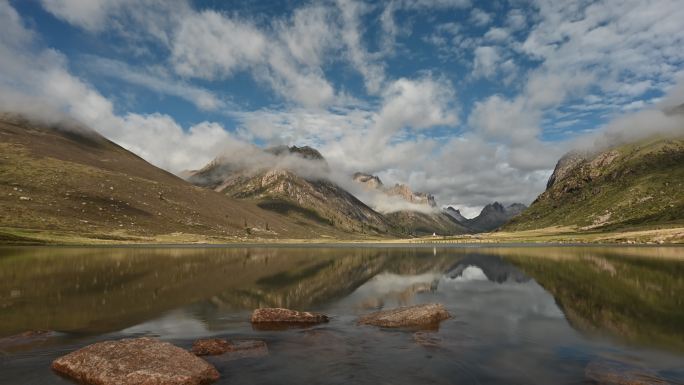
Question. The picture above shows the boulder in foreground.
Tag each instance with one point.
(135, 361)
(610, 372)
(285, 316)
(230, 350)
(410, 316)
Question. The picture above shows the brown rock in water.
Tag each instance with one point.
(145, 361)
(230, 350)
(610, 372)
(410, 316)
(245, 349)
(26, 339)
(210, 347)
(280, 315)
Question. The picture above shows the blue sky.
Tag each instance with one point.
(472, 101)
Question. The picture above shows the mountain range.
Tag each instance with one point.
(412, 212)
(66, 183)
(492, 216)
(279, 185)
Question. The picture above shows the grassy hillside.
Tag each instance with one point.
(637, 185)
(75, 183)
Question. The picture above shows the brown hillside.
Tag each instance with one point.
(74, 180)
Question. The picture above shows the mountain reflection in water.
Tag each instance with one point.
(511, 307)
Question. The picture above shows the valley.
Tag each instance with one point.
(66, 184)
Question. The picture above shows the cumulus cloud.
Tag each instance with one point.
(480, 17)
(497, 35)
(209, 45)
(516, 19)
(417, 104)
(485, 61)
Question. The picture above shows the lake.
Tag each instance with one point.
(520, 315)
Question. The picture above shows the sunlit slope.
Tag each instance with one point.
(638, 185)
(74, 180)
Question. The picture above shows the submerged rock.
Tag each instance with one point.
(419, 315)
(210, 347)
(26, 339)
(135, 361)
(230, 350)
(280, 315)
(610, 372)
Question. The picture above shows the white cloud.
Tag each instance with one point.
(505, 120)
(433, 4)
(485, 61)
(164, 84)
(155, 17)
(497, 35)
(516, 20)
(417, 104)
(373, 72)
(209, 45)
(480, 17)
(616, 42)
(88, 14)
(161, 141)
(308, 35)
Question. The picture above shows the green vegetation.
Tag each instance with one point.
(635, 186)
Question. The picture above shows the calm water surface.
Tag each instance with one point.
(521, 315)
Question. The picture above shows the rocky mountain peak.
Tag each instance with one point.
(455, 214)
(495, 207)
(564, 167)
(399, 189)
(492, 216)
(305, 152)
(405, 192)
(368, 180)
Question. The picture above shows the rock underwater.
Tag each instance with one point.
(280, 315)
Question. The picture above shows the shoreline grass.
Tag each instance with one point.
(551, 236)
